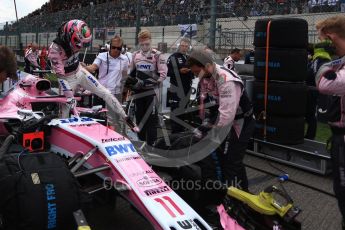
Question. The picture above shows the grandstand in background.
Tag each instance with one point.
(235, 19)
(122, 13)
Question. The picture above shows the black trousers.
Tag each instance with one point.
(148, 132)
(231, 158)
(226, 163)
(310, 115)
(338, 166)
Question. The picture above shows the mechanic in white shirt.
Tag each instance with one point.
(113, 70)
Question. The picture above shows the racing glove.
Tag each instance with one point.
(144, 83)
(150, 82)
(138, 85)
(203, 129)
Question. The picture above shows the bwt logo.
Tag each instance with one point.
(144, 67)
(336, 62)
(75, 119)
(120, 149)
(93, 80)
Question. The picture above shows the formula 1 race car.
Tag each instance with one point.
(28, 112)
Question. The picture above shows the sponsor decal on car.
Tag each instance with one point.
(149, 181)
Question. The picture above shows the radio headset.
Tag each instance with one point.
(108, 55)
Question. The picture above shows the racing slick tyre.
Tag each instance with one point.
(284, 33)
(284, 64)
(281, 130)
(283, 99)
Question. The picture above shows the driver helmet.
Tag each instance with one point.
(78, 34)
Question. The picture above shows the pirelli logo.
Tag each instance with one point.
(156, 191)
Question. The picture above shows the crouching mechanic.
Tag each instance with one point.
(148, 71)
(223, 88)
(63, 54)
(330, 79)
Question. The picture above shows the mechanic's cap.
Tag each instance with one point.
(200, 57)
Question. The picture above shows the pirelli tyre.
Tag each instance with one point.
(283, 99)
(283, 65)
(284, 33)
(281, 130)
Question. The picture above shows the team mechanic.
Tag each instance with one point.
(330, 79)
(30, 58)
(235, 56)
(181, 79)
(64, 57)
(223, 87)
(148, 70)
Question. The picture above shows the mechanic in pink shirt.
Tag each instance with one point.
(30, 58)
(148, 69)
(230, 110)
(330, 79)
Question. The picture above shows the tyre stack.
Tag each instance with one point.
(287, 72)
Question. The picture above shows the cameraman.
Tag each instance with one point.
(112, 67)
(180, 79)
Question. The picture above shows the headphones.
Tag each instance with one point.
(109, 46)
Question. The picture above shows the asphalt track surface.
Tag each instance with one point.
(319, 210)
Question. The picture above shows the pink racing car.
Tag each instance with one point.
(96, 149)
